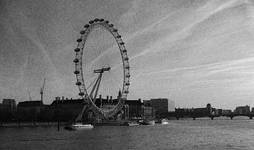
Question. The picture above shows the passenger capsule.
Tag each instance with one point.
(128, 75)
(124, 51)
(77, 49)
(107, 21)
(78, 83)
(86, 26)
(119, 36)
(76, 72)
(101, 20)
(122, 43)
(127, 67)
(127, 83)
(114, 30)
(126, 58)
(81, 93)
(76, 60)
(96, 19)
(79, 40)
(91, 22)
(82, 32)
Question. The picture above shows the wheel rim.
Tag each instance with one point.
(83, 92)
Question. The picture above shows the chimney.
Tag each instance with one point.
(111, 101)
(119, 94)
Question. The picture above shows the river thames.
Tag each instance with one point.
(177, 135)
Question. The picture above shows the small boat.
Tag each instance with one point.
(79, 126)
(147, 122)
(130, 123)
(82, 126)
(133, 124)
(151, 122)
(164, 121)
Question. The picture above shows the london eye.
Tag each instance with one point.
(89, 89)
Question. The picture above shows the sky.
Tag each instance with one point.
(193, 52)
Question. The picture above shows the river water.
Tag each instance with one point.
(177, 135)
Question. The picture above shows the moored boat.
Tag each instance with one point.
(79, 126)
(147, 122)
(133, 124)
(151, 122)
(164, 121)
(130, 123)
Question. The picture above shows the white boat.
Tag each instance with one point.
(164, 121)
(82, 126)
(147, 122)
(151, 122)
(133, 124)
(130, 123)
(79, 126)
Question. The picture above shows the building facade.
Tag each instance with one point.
(160, 105)
(134, 108)
(148, 113)
(29, 110)
(242, 110)
(10, 103)
(66, 109)
(226, 112)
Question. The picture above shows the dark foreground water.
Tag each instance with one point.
(177, 135)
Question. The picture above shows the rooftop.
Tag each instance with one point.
(68, 102)
(30, 103)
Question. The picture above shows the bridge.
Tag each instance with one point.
(195, 115)
(250, 115)
(211, 112)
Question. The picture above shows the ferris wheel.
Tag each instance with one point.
(91, 96)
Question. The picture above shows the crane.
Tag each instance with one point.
(42, 89)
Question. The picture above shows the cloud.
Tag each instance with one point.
(203, 14)
(205, 70)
